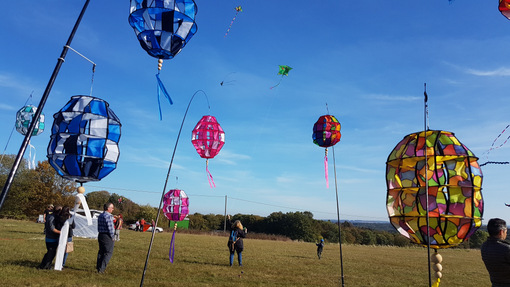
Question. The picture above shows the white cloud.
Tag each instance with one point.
(488, 73)
(393, 98)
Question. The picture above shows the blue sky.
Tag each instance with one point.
(368, 62)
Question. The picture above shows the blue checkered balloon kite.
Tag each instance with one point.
(84, 140)
(163, 27)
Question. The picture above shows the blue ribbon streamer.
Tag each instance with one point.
(162, 88)
(172, 248)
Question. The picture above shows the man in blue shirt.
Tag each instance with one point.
(105, 238)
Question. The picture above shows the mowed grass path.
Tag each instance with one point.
(202, 260)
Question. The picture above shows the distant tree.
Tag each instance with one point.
(148, 213)
(384, 238)
(368, 237)
(97, 199)
(401, 241)
(478, 238)
(197, 221)
(33, 190)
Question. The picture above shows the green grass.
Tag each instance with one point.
(202, 260)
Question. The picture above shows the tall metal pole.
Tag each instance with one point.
(338, 220)
(225, 220)
(37, 114)
(164, 187)
(425, 128)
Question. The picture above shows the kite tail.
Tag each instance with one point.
(172, 248)
(80, 198)
(162, 88)
(276, 85)
(494, 162)
(209, 175)
(436, 284)
(232, 22)
(31, 161)
(326, 168)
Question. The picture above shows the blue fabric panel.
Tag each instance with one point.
(71, 166)
(114, 132)
(95, 147)
(98, 108)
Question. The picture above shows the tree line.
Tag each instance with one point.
(33, 190)
(303, 227)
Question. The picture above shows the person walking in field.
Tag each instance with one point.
(105, 237)
(320, 246)
(496, 253)
(235, 241)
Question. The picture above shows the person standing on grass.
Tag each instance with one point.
(118, 226)
(235, 242)
(320, 246)
(52, 232)
(105, 237)
(142, 225)
(65, 214)
(496, 253)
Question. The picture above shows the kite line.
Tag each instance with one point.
(493, 147)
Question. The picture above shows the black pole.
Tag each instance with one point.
(425, 128)
(225, 219)
(164, 188)
(338, 220)
(37, 114)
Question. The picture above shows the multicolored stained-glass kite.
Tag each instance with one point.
(436, 160)
(24, 118)
(504, 8)
(175, 208)
(163, 28)
(84, 140)
(284, 71)
(326, 133)
(238, 9)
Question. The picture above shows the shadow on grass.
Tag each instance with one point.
(25, 232)
(25, 263)
(191, 261)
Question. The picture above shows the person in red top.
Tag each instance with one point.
(142, 225)
(117, 223)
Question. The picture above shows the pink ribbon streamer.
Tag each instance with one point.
(209, 177)
(326, 170)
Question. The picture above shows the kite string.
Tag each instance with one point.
(93, 65)
(494, 142)
(14, 127)
(232, 22)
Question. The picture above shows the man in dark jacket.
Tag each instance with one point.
(496, 253)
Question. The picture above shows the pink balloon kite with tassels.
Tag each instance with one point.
(208, 138)
(175, 208)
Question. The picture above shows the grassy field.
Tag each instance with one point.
(202, 260)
